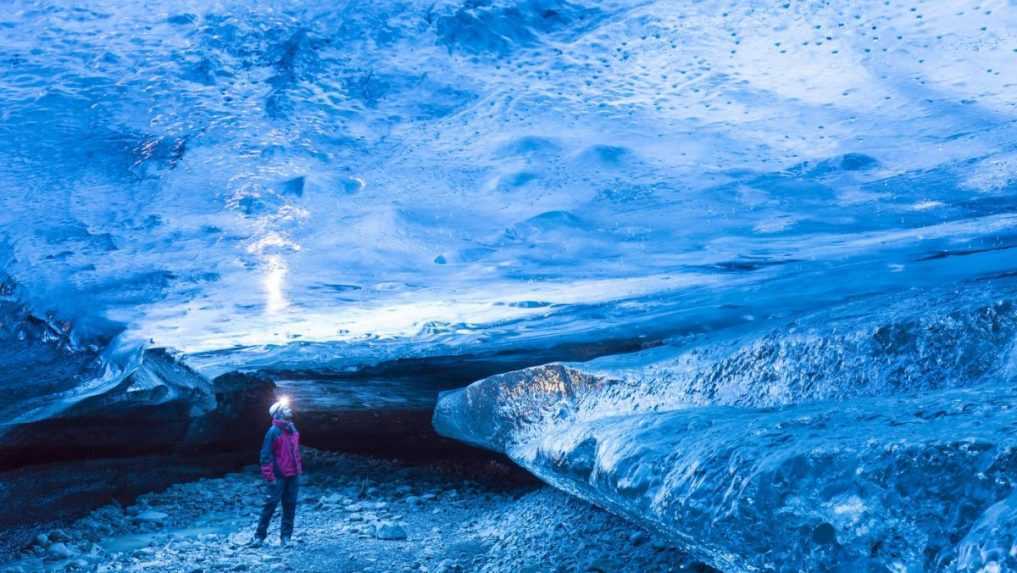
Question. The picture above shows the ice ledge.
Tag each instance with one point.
(890, 482)
(879, 441)
(885, 483)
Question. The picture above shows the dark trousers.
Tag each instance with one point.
(282, 489)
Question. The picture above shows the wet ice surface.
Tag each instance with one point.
(412, 178)
(325, 188)
(453, 518)
(374, 394)
(876, 436)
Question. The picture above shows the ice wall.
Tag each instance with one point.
(888, 484)
(871, 436)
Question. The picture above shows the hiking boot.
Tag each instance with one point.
(256, 542)
(284, 541)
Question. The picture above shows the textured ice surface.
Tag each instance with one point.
(878, 485)
(812, 203)
(422, 177)
(873, 347)
(874, 437)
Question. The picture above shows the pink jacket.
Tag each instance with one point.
(280, 452)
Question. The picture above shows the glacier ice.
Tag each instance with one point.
(69, 396)
(883, 484)
(877, 436)
(789, 209)
(206, 174)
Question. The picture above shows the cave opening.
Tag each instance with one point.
(375, 469)
(57, 470)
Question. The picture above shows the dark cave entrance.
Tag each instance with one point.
(61, 468)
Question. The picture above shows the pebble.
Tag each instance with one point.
(601, 564)
(638, 538)
(480, 531)
(151, 516)
(390, 531)
(448, 566)
(60, 551)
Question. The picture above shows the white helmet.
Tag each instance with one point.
(281, 409)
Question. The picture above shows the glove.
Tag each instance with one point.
(268, 473)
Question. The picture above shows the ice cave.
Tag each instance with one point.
(500, 286)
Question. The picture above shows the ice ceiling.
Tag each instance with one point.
(400, 178)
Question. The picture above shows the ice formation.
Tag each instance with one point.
(423, 177)
(875, 437)
(791, 209)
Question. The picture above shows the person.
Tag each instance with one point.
(281, 467)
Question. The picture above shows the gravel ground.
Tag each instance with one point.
(357, 514)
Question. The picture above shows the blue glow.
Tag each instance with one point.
(335, 185)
